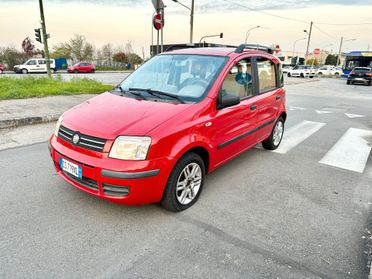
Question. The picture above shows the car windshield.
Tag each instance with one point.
(188, 77)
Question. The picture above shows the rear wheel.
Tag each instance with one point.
(24, 71)
(348, 82)
(185, 183)
(1, 71)
(302, 75)
(272, 142)
(92, 71)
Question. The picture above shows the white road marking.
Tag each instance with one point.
(297, 134)
(350, 115)
(351, 151)
(296, 108)
(323, 111)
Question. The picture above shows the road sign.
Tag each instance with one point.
(277, 49)
(158, 22)
(317, 51)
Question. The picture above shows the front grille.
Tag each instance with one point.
(88, 142)
(113, 190)
(87, 182)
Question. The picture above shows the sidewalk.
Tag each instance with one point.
(14, 113)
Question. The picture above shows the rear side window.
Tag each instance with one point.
(41, 62)
(266, 75)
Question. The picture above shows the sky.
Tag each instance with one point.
(119, 21)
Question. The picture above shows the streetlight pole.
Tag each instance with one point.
(294, 47)
(45, 37)
(339, 50)
(249, 32)
(210, 36)
(191, 17)
(308, 40)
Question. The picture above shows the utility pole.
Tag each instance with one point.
(192, 21)
(308, 41)
(45, 37)
(339, 51)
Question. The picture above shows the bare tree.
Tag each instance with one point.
(107, 52)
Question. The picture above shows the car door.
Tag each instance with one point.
(32, 65)
(233, 128)
(270, 95)
(42, 65)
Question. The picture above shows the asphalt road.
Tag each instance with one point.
(263, 215)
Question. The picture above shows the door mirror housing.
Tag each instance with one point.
(225, 100)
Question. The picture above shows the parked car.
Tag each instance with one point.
(175, 119)
(337, 71)
(1, 68)
(82, 67)
(35, 65)
(302, 71)
(360, 75)
(329, 70)
(286, 69)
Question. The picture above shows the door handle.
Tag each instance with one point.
(277, 97)
(253, 107)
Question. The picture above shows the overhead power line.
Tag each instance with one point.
(293, 19)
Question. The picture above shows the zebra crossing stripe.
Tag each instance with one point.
(351, 151)
(297, 134)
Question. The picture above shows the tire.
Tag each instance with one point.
(320, 73)
(92, 71)
(54, 70)
(302, 76)
(1, 72)
(370, 83)
(24, 71)
(172, 199)
(348, 82)
(337, 74)
(273, 142)
(76, 71)
(289, 75)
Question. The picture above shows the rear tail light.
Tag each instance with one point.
(369, 74)
(352, 74)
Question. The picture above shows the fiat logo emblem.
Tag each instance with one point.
(75, 139)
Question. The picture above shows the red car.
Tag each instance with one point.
(82, 67)
(175, 119)
(1, 68)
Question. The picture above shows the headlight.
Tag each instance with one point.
(130, 148)
(58, 124)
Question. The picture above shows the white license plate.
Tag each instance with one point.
(359, 79)
(71, 168)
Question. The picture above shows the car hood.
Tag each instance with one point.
(109, 115)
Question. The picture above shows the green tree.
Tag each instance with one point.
(331, 59)
(10, 56)
(120, 57)
(312, 61)
(133, 58)
(61, 51)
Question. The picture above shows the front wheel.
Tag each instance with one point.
(24, 71)
(185, 183)
(273, 142)
(289, 74)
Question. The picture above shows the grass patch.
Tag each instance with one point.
(27, 87)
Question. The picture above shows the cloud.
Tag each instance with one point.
(208, 6)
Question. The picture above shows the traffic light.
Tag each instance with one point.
(38, 35)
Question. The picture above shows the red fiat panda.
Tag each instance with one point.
(178, 117)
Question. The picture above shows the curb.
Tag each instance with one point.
(23, 121)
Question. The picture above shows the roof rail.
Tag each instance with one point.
(242, 47)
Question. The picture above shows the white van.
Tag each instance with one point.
(35, 65)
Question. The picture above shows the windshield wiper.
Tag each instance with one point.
(130, 92)
(157, 92)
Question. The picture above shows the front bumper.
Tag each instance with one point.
(124, 182)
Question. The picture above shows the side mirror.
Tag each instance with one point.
(225, 100)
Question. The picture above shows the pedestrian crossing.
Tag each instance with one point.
(350, 152)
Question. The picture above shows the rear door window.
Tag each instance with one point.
(266, 75)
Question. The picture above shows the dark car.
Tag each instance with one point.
(360, 75)
(82, 67)
(1, 68)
